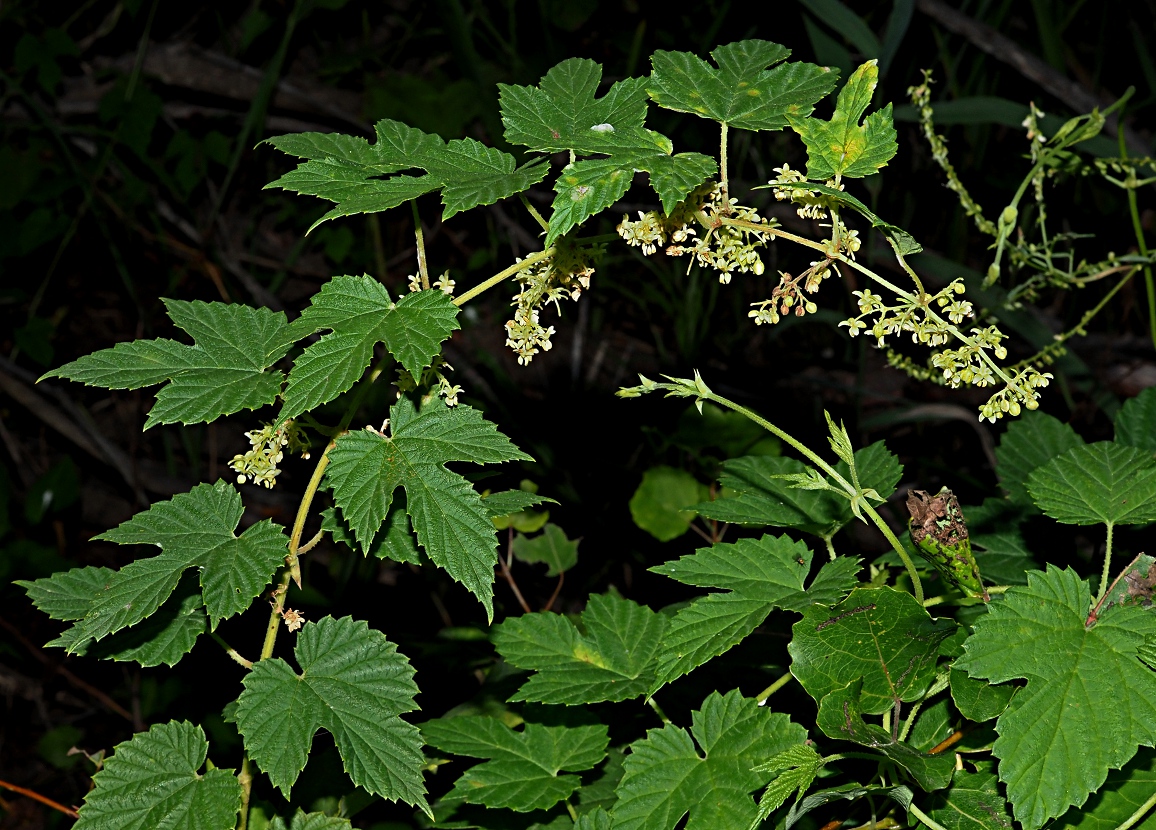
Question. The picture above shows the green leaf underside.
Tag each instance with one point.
(1136, 421)
(841, 716)
(842, 147)
(1103, 483)
(1030, 442)
(550, 547)
(447, 514)
(799, 764)
(741, 92)
(1089, 701)
(225, 371)
(353, 684)
(759, 575)
(903, 242)
(348, 170)
(879, 634)
(152, 781)
(394, 541)
(165, 637)
(1124, 791)
(522, 768)
(562, 113)
(668, 776)
(753, 495)
(974, 802)
(193, 529)
(360, 314)
(612, 660)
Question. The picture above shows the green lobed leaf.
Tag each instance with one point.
(974, 802)
(668, 776)
(551, 547)
(1030, 442)
(660, 503)
(1123, 793)
(1003, 556)
(978, 700)
(310, 821)
(165, 637)
(193, 529)
(842, 147)
(509, 502)
(1136, 421)
(1097, 699)
(153, 781)
(612, 660)
(597, 819)
(841, 716)
(759, 575)
(360, 314)
(1102, 483)
(755, 494)
(224, 371)
(353, 684)
(395, 541)
(934, 725)
(448, 516)
(347, 170)
(598, 794)
(880, 635)
(522, 769)
(741, 92)
(796, 768)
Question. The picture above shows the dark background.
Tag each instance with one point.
(129, 173)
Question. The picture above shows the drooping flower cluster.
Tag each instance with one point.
(267, 450)
(433, 374)
(914, 317)
(564, 275)
(729, 244)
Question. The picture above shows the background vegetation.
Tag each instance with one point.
(129, 173)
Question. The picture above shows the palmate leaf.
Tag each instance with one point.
(562, 113)
(668, 776)
(841, 716)
(1136, 421)
(1123, 793)
(880, 635)
(842, 147)
(974, 802)
(153, 781)
(796, 768)
(225, 371)
(193, 529)
(348, 170)
(1102, 483)
(550, 547)
(165, 637)
(447, 514)
(758, 576)
(360, 314)
(741, 92)
(1031, 441)
(612, 660)
(754, 492)
(1089, 701)
(522, 768)
(353, 684)
(310, 821)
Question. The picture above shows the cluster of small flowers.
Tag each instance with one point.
(811, 204)
(1021, 391)
(268, 446)
(724, 247)
(965, 364)
(566, 274)
(443, 283)
(910, 317)
(446, 390)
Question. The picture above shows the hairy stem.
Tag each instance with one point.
(1106, 574)
(830, 548)
(234, 655)
(722, 167)
(422, 267)
(774, 687)
(851, 490)
(245, 776)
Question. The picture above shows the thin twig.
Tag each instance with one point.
(510, 577)
(557, 590)
(68, 811)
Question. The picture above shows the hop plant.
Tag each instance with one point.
(564, 275)
(267, 449)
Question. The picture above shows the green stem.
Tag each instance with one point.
(916, 585)
(1138, 229)
(532, 259)
(422, 267)
(657, 710)
(232, 652)
(926, 819)
(722, 168)
(534, 212)
(774, 687)
(1106, 574)
(1143, 808)
(570, 809)
(245, 776)
(830, 548)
